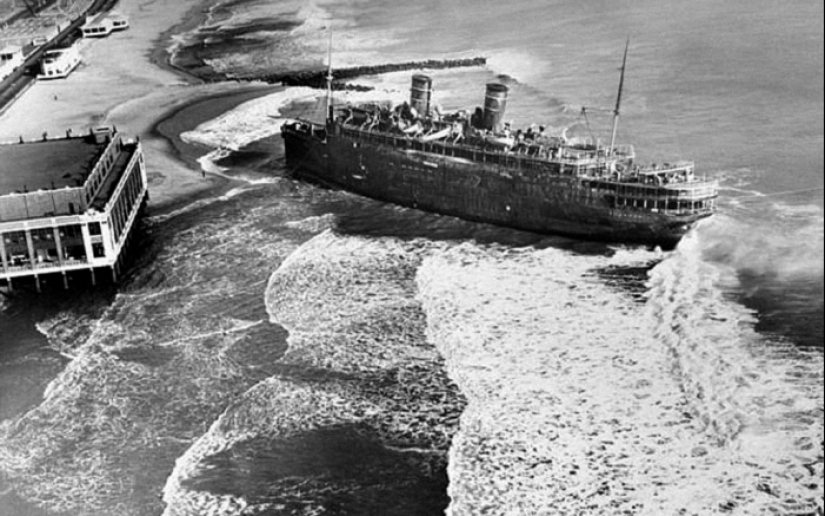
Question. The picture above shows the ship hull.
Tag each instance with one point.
(482, 192)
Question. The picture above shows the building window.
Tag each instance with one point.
(94, 228)
(98, 251)
(71, 233)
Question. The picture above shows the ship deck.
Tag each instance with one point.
(571, 161)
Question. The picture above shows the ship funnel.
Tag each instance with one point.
(421, 94)
(494, 104)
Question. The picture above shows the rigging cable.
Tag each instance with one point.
(787, 192)
(587, 124)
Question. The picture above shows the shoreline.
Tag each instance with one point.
(187, 116)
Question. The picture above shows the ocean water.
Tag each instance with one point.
(278, 348)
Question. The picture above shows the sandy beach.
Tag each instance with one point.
(125, 81)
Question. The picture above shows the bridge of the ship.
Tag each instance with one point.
(671, 189)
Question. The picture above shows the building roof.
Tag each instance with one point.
(96, 20)
(47, 165)
(11, 49)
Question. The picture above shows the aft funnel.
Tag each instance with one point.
(494, 104)
(421, 94)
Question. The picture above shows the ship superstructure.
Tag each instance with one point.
(473, 166)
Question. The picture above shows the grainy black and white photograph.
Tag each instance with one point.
(425, 258)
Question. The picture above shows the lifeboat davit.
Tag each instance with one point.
(413, 129)
(500, 140)
(437, 135)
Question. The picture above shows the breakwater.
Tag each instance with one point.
(318, 78)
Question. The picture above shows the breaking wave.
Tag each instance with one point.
(521, 373)
(251, 121)
(152, 371)
(788, 246)
(581, 398)
(358, 375)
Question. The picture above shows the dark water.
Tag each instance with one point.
(350, 470)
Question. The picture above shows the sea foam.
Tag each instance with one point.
(357, 356)
(583, 400)
(251, 121)
(152, 371)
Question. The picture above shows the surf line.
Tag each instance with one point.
(787, 192)
(223, 331)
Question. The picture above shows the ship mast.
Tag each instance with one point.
(329, 78)
(618, 100)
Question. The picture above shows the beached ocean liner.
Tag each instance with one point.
(473, 166)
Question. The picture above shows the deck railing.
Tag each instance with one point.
(682, 185)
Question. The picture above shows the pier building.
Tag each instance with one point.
(69, 204)
(97, 26)
(11, 58)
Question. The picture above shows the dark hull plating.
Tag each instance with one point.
(483, 192)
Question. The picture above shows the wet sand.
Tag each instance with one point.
(165, 133)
